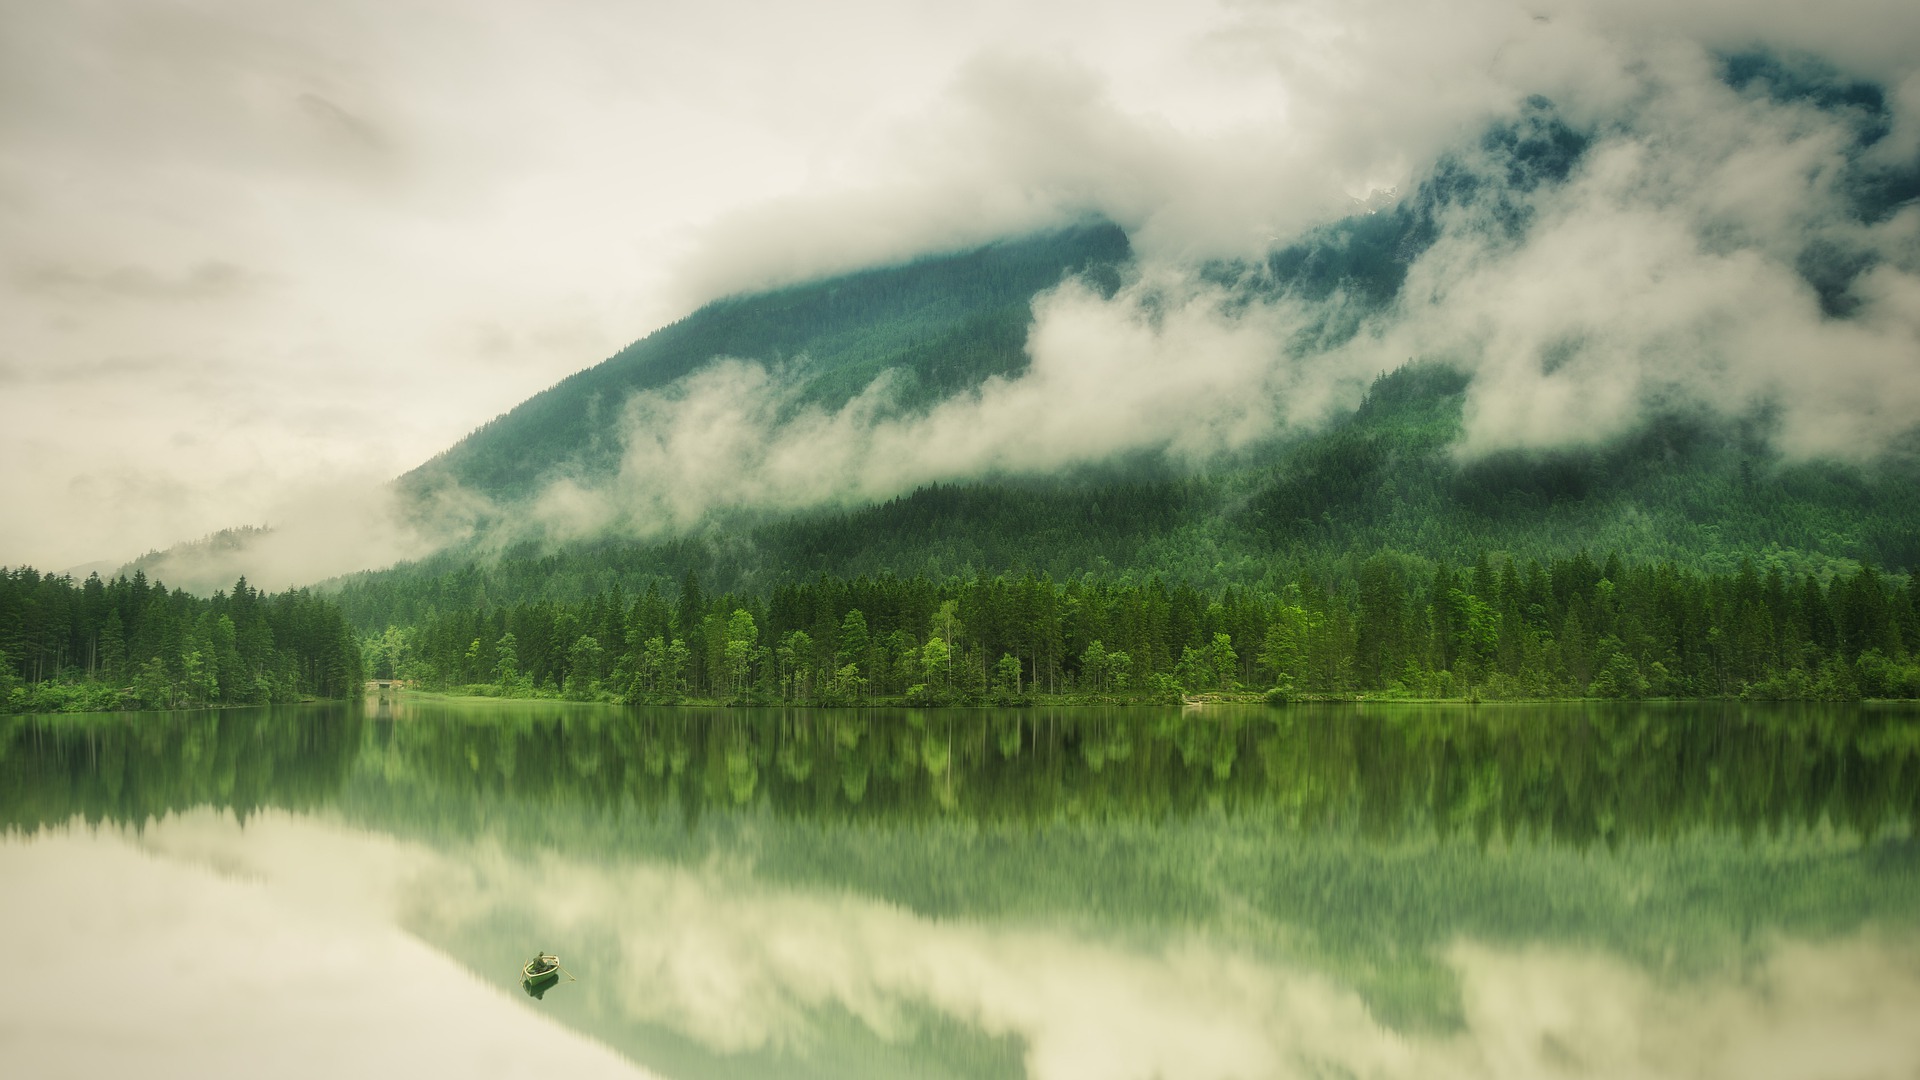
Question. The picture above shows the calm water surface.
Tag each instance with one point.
(1411, 891)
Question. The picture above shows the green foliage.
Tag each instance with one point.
(104, 645)
(586, 660)
(1385, 626)
(743, 653)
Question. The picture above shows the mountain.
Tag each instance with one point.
(1618, 398)
(941, 325)
(929, 417)
(1690, 480)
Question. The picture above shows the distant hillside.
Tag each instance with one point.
(1703, 494)
(944, 324)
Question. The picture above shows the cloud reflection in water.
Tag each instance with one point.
(231, 948)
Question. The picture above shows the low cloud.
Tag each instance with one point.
(1669, 271)
(311, 533)
(1166, 366)
(1666, 274)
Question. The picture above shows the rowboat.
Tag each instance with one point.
(540, 974)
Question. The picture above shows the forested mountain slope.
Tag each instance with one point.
(1695, 481)
(941, 326)
(943, 323)
(1690, 490)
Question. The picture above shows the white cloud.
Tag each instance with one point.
(1663, 276)
(1165, 366)
(1660, 276)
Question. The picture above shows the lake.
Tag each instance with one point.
(1662, 890)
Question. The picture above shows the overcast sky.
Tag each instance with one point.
(263, 255)
(248, 248)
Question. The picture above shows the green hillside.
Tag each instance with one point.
(943, 324)
(1701, 490)
(1702, 494)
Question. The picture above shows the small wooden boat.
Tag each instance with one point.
(542, 974)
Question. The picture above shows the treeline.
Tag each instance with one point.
(129, 643)
(1389, 625)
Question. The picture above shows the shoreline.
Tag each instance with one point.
(1056, 701)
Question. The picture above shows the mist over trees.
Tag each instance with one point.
(1040, 356)
(934, 327)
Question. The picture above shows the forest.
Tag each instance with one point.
(1384, 626)
(130, 643)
